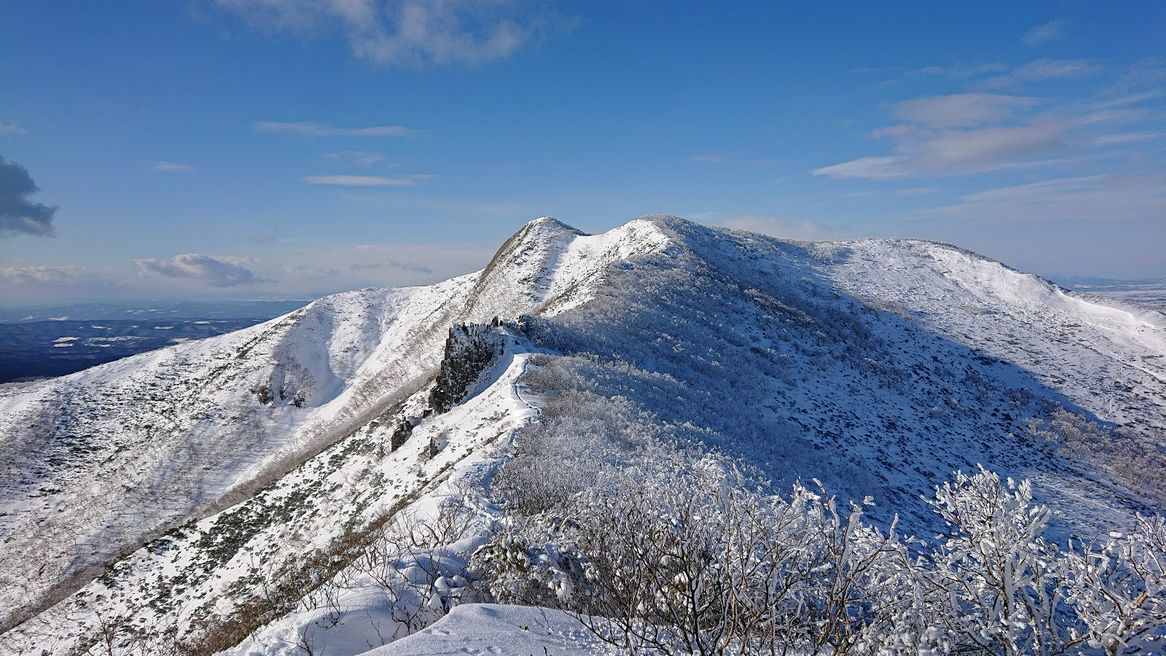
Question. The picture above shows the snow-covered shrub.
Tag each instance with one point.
(1119, 451)
(682, 554)
(996, 586)
(1118, 587)
(582, 437)
(417, 565)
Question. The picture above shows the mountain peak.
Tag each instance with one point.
(548, 225)
(549, 221)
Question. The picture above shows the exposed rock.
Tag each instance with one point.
(469, 350)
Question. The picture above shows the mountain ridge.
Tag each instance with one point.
(878, 365)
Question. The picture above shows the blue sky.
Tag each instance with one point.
(254, 148)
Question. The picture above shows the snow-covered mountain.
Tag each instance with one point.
(151, 499)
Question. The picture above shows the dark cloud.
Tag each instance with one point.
(17, 214)
(208, 269)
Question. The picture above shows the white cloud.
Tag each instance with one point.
(962, 110)
(45, 275)
(409, 33)
(208, 269)
(367, 180)
(310, 129)
(162, 166)
(11, 128)
(707, 158)
(1044, 33)
(867, 168)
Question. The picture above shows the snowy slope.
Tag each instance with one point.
(877, 366)
(97, 462)
(1106, 357)
(100, 462)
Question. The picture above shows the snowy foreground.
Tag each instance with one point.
(492, 629)
(325, 482)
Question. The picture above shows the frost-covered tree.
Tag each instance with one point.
(687, 557)
(998, 586)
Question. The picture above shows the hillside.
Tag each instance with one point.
(187, 488)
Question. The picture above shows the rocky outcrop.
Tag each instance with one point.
(469, 350)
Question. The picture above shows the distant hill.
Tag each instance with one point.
(41, 342)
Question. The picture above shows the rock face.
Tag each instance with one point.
(469, 350)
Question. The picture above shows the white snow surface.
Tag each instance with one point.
(488, 629)
(161, 491)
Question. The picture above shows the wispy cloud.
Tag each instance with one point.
(358, 157)
(367, 180)
(310, 129)
(1107, 197)
(410, 33)
(978, 132)
(799, 229)
(163, 166)
(962, 110)
(265, 235)
(707, 158)
(926, 152)
(45, 275)
(18, 215)
(207, 269)
(383, 264)
(1125, 138)
(911, 192)
(906, 192)
(1044, 33)
(1145, 76)
(1044, 69)
(11, 128)
(876, 70)
(866, 168)
(961, 69)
